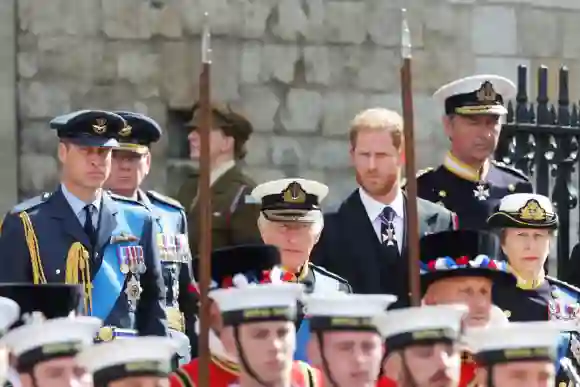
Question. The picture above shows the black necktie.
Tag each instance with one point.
(388, 236)
(89, 226)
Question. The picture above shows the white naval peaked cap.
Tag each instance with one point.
(524, 210)
(468, 87)
(515, 202)
(9, 313)
(278, 186)
(51, 335)
(347, 305)
(293, 200)
(508, 342)
(346, 311)
(254, 296)
(145, 355)
(402, 327)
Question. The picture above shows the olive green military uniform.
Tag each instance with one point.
(234, 218)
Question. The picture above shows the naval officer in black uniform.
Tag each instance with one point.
(469, 182)
(81, 234)
(131, 164)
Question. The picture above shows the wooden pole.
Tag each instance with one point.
(204, 205)
(408, 129)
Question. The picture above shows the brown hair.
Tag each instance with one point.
(378, 119)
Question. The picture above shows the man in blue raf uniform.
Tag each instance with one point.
(130, 165)
(469, 183)
(527, 224)
(80, 234)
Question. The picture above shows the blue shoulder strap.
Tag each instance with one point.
(302, 338)
(110, 280)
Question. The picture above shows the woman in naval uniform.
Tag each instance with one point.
(527, 224)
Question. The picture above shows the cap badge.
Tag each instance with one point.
(126, 131)
(532, 211)
(294, 193)
(486, 94)
(101, 126)
(33, 318)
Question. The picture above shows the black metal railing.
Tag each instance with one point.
(541, 139)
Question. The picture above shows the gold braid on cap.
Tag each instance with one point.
(38, 276)
(532, 211)
(77, 261)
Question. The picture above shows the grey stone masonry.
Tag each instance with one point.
(299, 69)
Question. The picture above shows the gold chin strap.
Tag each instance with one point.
(77, 261)
(38, 276)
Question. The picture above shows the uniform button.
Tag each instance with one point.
(96, 255)
(57, 271)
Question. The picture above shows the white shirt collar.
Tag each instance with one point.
(374, 208)
(220, 171)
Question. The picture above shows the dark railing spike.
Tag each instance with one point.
(563, 97)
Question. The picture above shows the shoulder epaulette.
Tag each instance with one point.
(31, 203)
(514, 171)
(125, 199)
(328, 273)
(425, 171)
(563, 284)
(165, 199)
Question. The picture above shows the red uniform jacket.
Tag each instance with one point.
(386, 382)
(223, 374)
(468, 368)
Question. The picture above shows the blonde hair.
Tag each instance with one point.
(378, 119)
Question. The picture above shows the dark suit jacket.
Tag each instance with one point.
(234, 221)
(56, 228)
(350, 248)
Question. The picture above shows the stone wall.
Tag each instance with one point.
(300, 69)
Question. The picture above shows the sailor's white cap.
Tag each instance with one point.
(291, 199)
(9, 313)
(346, 311)
(477, 94)
(524, 210)
(515, 341)
(146, 355)
(40, 340)
(258, 302)
(403, 327)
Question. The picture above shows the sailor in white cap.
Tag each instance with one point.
(234, 267)
(519, 354)
(9, 313)
(259, 325)
(469, 182)
(291, 219)
(346, 345)
(527, 224)
(141, 361)
(45, 349)
(422, 345)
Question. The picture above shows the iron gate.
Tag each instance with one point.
(541, 139)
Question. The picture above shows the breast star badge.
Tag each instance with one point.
(481, 192)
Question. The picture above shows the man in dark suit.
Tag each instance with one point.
(365, 241)
(233, 218)
(81, 234)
